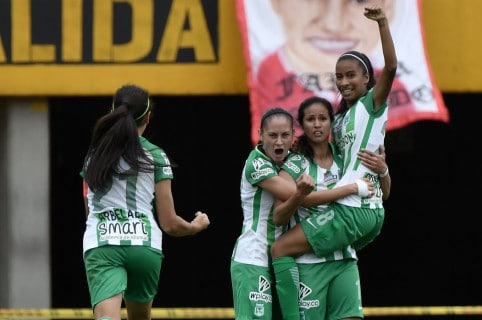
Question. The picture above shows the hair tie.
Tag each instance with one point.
(356, 57)
(139, 117)
(145, 111)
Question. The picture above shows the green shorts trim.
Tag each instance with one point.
(339, 226)
(131, 270)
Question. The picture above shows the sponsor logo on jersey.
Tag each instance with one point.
(329, 178)
(347, 139)
(263, 172)
(305, 291)
(293, 167)
(259, 162)
(263, 285)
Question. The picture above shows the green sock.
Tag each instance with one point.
(287, 286)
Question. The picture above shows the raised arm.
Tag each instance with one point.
(387, 75)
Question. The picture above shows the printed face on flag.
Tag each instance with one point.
(292, 48)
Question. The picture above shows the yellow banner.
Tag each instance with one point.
(179, 47)
(91, 47)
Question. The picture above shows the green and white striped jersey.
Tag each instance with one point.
(324, 179)
(360, 128)
(123, 213)
(258, 231)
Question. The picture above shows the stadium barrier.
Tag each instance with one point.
(228, 313)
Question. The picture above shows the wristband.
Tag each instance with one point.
(362, 188)
(383, 175)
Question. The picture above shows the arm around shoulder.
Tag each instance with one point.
(285, 209)
(320, 197)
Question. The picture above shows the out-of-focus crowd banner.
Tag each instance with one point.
(292, 47)
(178, 47)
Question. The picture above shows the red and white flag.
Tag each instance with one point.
(291, 47)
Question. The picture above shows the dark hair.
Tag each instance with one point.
(275, 111)
(115, 136)
(272, 112)
(301, 145)
(366, 66)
